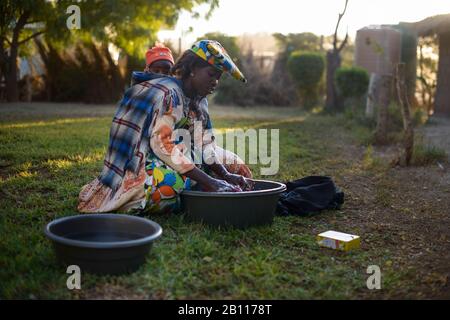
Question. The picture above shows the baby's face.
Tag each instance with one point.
(160, 66)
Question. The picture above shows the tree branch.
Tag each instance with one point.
(31, 37)
(343, 43)
(17, 28)
(3, 56)
(337, 25)
(7, 40)
(22, 21)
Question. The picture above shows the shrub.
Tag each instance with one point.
(427, 154)
(261, 88)
(307, 69)
(370, 161)
(359, 117)
(232, 92)
(395, 117)
(352, 82)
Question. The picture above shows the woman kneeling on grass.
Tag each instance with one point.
(144, 168)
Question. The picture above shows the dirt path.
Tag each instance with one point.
(405, 210)
(400, 212)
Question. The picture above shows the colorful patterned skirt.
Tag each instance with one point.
(155, 189)
(163, 184)
(162, 187)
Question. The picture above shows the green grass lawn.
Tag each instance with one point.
(45, 161)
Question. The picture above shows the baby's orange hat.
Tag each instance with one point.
(158, 52)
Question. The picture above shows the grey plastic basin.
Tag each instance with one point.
(237, 209)
(103, 243)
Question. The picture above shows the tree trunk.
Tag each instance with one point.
(442, 101)
(117, 81)
(384, 98)
(43, 52)
(3, 65)
(333, 102)
(12, 91)
(402, 92)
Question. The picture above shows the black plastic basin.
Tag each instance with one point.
(103, 243)
(237, 209)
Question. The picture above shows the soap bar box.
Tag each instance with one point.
(338, 240)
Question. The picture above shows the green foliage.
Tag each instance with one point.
(364, 127)
(14, 12)
(230, 91)
(129, 24)
(370, 161)
(358, 116)
(352, 82)
(395, 117)
(259, 90)
(307, 70)
(305, 41)
(427, 154)
(419, 117)
(361, 127)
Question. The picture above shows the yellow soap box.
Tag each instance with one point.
(338, 240)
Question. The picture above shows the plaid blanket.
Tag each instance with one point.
(130, 129)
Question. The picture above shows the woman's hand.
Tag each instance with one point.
(208, 183)
(217, 185)
(238, 180)
(235, 179)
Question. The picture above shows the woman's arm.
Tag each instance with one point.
(165, 148)
(208, 183)
(210, 157)
(232, 178)
(219, 169)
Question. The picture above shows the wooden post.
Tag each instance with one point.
(383, 99)
(372, 95)
(402, 92)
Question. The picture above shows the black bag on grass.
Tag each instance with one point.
(309, 195)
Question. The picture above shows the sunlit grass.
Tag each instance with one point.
(45, 163)
(28, 125)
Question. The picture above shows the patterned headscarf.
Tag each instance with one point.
(213, 52)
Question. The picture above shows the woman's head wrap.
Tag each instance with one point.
(213, 52)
